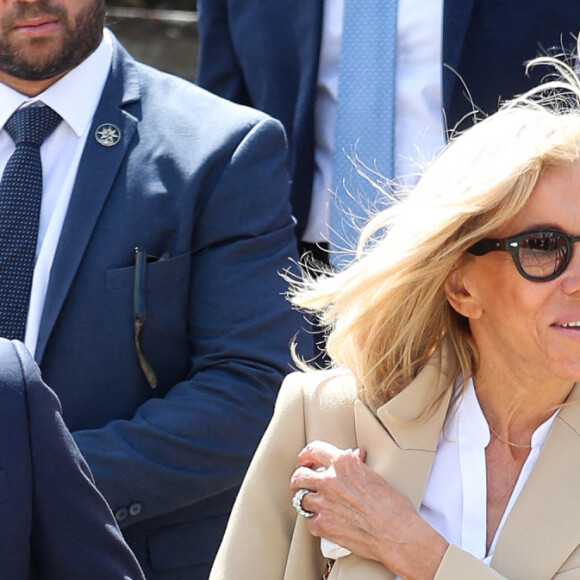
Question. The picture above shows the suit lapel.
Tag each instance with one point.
(307, 17)
(97, 170)
(399, 448)
(456, 17)
(545, 518)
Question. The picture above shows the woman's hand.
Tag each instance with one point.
(359, 510)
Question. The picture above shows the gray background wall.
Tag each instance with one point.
(162, 33)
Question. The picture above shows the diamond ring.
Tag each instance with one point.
(297, 503)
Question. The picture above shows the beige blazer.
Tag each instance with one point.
(266, 540)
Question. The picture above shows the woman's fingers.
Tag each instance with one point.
(304, 478)
(320, 454)
(356, 508)
(317, 454)
(320, 462)
(317, 464)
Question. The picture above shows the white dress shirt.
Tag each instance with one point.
(75, 98)
(419, 124)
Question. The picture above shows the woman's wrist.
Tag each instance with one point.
(419, 556)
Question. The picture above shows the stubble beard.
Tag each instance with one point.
(37, 59)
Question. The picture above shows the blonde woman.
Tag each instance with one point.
(445, 441)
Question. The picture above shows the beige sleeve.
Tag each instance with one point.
(263, 535)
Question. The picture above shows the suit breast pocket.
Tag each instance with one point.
(157, 290)
(158, 273)
(154, 301)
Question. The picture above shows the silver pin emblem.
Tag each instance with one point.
(107, 135)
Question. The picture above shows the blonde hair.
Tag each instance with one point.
(387, 312)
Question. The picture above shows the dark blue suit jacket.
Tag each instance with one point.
(264, 53)
(54, 524)
(200, 184)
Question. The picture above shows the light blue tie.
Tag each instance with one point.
(365, 118)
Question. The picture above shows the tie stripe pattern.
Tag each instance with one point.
(20, 200)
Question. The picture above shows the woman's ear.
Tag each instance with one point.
(459, 295)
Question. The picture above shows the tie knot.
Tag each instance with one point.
(32, 125)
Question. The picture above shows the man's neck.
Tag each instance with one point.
(27, 87)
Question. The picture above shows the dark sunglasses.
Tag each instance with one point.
(539, 255)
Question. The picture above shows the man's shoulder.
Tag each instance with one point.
(173, 114)
(173, 109)
(179, 94)
(175, 99)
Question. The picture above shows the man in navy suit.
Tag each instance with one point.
(157, 311)
(281, 56)
(54, 524)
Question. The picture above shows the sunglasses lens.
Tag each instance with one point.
(543, 254)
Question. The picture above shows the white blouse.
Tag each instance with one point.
(455, 500)
(456, 496)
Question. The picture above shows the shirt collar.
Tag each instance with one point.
(84, 84)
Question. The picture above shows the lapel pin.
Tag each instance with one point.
(107, 135)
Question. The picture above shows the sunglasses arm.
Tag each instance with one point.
(487, 245)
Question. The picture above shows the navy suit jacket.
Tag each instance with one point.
(53, 521)
(264, 53)
(200, 184)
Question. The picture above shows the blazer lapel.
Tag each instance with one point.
(401, 448)
(456, 17)
(97, 170)
(543, 527)
(543, 520)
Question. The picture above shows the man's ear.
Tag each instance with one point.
(459, 296)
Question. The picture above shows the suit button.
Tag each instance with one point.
(121, 514)
(135, 509)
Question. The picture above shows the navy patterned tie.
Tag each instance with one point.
(20, 199)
